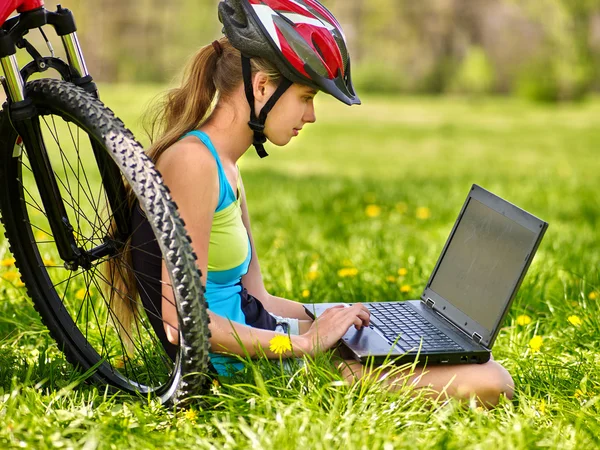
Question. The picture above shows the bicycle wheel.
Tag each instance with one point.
(83, 307)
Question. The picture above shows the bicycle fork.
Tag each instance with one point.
(25, 120)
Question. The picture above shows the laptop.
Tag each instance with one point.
(468, 294)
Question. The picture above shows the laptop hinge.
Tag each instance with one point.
(429, 302)
(477, 338)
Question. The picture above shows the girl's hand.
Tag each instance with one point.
(329, 327)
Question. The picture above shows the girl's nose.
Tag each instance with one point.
(309, 114)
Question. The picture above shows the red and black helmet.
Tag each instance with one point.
(302, 39)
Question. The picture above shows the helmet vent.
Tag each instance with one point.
(318, 48)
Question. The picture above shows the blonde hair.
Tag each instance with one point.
(208, 78)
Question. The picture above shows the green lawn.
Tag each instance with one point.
(377, 188)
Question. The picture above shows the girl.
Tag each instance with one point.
(275, 56)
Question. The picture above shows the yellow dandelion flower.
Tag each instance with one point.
(348, 272)
(579, 393)
(280, 344)
(575, 320)
(423, 213)
(48, 261)
(593, 295)
(19, 284)
(401, 207)
(11, 275)
(391, 278)
(542, 407)
(81, 294)
(523, 320)
(402, 271)
(119, 363)
(191, 415)
(7, 262)
(405, 288)
(535, 344)
(372, 211)
(305, 293)
(312, 275)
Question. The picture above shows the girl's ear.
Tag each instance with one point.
(259, 86)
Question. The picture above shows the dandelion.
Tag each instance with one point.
(402, 271)
(575, 320)
(579, 393)
(119, 363)
(11, 275)
(391, 278)
(280, 344)
(348, 272)
(7, 262)
(313, 271)
(82, 293)
(372, 211)
(48, 261)
(313, 275)
(191, 415)
(423, 213)
(542, 407)
(535, 343)
(305, 293)
(401, 207)
(405, 288)
(19, 283)
(593, 295)
(523, 320)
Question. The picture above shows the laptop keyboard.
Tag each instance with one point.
(400, 321)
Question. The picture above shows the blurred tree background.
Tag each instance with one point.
(544, 50)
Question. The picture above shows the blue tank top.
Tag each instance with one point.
(229, 252)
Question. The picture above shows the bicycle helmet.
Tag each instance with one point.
(302, 39)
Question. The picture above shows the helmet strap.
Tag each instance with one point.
(257, 124)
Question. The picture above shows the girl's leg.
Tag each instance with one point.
(487, 382)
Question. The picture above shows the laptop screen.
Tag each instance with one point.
(482, 263)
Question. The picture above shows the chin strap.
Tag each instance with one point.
(257, 124)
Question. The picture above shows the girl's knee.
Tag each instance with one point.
(494, 383)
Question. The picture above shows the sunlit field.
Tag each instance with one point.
(358, 208)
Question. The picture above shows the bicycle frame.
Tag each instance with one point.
(24, 118)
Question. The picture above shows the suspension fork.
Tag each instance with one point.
(26, 122)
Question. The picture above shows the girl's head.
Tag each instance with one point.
(278, 54)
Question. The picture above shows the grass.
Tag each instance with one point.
(376, 188)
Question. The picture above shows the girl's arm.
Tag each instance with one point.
(253, 280)
(192, 165)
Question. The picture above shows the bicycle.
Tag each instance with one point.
(66, 205)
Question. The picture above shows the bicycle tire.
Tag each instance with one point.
(188, 373)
